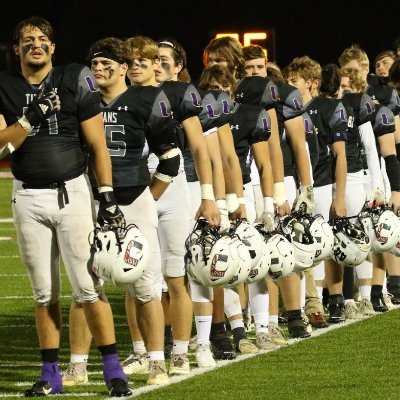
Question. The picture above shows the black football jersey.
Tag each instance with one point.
(249, 125)
(360, 109)
(53, 151)
(312, 139)
(383, 94)
(329, 118)
(137, 122)
(184, 98)
(284, 98)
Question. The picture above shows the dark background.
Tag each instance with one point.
(319, 29)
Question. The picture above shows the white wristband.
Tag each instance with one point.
(279, 193)
(207, 192)
(241, 200)
(23, 121)
(232, 203)
(221, 204)
(163, 177)
(269, 204)
(103, 189)
(170, 154)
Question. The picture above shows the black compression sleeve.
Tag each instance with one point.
(393, 172)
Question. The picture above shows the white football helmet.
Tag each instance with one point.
(296, 228)
(323, 236)
(281, 254)
(241, 262)
(382, 226)
(211, 259)
(121, 255)
(351, 245)
(251, 237)
(261, 269)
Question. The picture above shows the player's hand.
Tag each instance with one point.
(306, 196)
(209, 211)
(377, 197)
(225, 223)
(43, 106)
(283, 209)
(268, 215)
(339, 207)
(109, 212)
(394, 202)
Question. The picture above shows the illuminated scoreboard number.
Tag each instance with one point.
(265, 39)
(248, 38)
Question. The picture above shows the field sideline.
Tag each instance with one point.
(357, 361)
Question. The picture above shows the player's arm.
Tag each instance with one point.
(201, 158)
(263, 163)
(232, 173)
(339, 153)
(167, 169)
(10, 137)
(388, 152)
(276, 159)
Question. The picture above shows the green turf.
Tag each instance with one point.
(356, 362)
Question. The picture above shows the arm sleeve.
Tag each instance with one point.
(368, 142)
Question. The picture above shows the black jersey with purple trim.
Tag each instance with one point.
(360, 110)
(383, 94)
(330, 121)
(184, 98)
(284, 98)
(53, 151)
(249, 125)
(210, 113)
(137, 122)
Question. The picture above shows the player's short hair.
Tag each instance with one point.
(218, 74)
(179, 56)
(386, 53)
(304, 67)
(34, 22)
(354, 52)
(252, 52)
(230, 49)
(110, 47)
(355, 80)
(142, 47)
(330, 80)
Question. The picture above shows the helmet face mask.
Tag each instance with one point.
(296, 228)
(120, 255)
(351, 245)
(211, 258)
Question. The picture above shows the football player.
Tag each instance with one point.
(52, 205)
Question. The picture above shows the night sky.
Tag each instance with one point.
(319, 29)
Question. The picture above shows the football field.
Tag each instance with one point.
(350, 361)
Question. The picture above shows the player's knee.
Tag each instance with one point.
(86, 296)
(144, 294)
(45, 298)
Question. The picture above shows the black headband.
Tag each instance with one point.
(105, 53)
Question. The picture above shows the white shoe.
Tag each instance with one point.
(158, 373)
(366, 308)
(179, 365)
(204, 356)
(75, 374)
(264, 341)
(193, 343)
(387, 297)
(136, 364)
(351, 311)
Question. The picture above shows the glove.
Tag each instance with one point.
(268, 215)
(225, 223)
(377, 197)
(306, 199)
(42, 107)
(109, 212)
